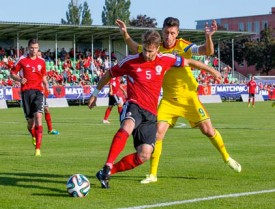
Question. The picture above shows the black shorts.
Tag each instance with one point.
(33, 102)
(145, 124)
(114, 100)
(251, 95)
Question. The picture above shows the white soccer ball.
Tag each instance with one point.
(78, 185)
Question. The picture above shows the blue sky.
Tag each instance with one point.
(51, 11)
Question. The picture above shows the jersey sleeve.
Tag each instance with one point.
(44, 71)
(16, 68)
(173, 60)
(117, 71)
(179, 61)
(188, 48)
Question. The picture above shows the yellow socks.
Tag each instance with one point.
(218, 143)
(155, 157)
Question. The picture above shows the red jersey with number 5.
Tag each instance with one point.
(31, 69)
(144, 78)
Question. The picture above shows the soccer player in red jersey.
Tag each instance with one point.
(252, 86)
(145, 73)
(33, 79)
(114, 98)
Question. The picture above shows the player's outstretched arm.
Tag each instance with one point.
(199, 65)
(127, 38)
(208, 47)
(102, 82)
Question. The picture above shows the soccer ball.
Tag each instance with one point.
(78, 185)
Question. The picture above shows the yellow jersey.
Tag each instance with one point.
(178, 82)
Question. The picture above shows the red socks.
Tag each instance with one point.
(31, 132)
(49, 121)
(38, 130)
(119, 109)
(117, 146)
(127, 163)
(107, 113)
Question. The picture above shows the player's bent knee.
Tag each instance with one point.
(144, 152)
(145, 156)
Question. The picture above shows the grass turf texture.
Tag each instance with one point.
(190, 166)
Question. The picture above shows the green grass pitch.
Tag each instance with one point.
(191, 175)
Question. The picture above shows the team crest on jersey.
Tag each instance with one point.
(158, 70)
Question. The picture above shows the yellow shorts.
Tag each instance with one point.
(188, 107)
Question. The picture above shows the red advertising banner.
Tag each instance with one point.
(204, 90)
(16, 94)
(59, 91)
(271, 94)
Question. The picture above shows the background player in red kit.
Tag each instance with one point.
(252, 85)
(145, 73)
(47, 112)
(114, 98)
(48, 116)
(32, 74)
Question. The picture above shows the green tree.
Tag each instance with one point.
(77, 14)
(86, 15)
(226, 51)
(143, 21)
(273, 53)
(115, 9)
(259, 52)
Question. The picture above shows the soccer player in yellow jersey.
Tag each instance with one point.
(180, 97)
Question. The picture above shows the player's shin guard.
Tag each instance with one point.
(155, 158)
(117, 146)
(38, 136)
(217, 141)
(127, 163)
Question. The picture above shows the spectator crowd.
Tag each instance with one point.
(88, 68)
(85, 70)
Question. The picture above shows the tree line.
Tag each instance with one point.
(259, 52)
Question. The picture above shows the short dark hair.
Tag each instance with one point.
(151, 37)
(171, 22)
(33, 41)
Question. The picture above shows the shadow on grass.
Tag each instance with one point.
(36, 181)
(161, 178)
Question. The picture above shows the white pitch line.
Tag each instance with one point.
(200, 199)
(180, 125)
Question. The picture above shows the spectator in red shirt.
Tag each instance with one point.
(73, 79)
(9, 81)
